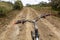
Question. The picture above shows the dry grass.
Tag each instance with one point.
(6, 20)
(47, 10)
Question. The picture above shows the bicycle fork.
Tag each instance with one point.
(35, 34)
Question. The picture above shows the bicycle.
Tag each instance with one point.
(34, 34)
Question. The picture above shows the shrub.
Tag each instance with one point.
(3, 11)
(18, 5)
(5, 7)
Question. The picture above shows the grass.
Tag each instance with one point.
(6, 20)
(11, 14)
(46, 10)
(43, 9)
(7, 5)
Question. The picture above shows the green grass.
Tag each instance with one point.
(46, 10)
(11, 14)
(7, 5)
(5, 8)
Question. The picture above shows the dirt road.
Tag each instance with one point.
(49, 26)
(47, 30)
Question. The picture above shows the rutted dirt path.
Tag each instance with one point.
(28, 26)
(49, 26)
(47, 29)
(53, 20)
(12, 30)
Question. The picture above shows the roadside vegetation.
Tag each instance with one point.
(8, 11)
(18, 5)
(5, 7)
(52, 7)
(55, 4)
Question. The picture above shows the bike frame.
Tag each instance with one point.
(36, 37)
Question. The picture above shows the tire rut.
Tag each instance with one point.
(12, 30)
(48, 25)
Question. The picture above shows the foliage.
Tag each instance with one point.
(55, 4)
(3, 11)
(28, 5)
(5, 7)
(41, 4)
(18, 5)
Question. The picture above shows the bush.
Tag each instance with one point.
(18, 5)
(3, 11)
(55, 5)
(5, 7)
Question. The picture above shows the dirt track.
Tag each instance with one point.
(47, 29)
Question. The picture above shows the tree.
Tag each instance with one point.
(18, 5)
(55, 4)
(43, 4)
(28, 5)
